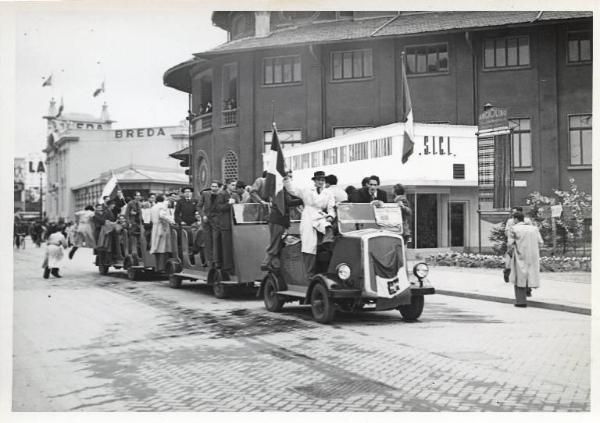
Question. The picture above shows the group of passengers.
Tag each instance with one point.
(319, 212)
(206, 220)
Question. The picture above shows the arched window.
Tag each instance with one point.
(202, 171)
(229, 166)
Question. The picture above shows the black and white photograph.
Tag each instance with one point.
(281, 208)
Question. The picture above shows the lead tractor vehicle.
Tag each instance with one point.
(365, 266)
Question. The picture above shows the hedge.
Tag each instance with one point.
(547, 264)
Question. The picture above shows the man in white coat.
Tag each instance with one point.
(524, 241)
(160, 244)
(317, 215)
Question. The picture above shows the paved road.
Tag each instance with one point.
(103, 343)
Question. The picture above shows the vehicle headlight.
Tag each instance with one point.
(343, 271)
(421, 270)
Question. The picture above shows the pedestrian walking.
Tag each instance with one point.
(54, 256)
(507, 227)
(524, 242)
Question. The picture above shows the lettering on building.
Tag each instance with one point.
(139, 132)
(436, 146)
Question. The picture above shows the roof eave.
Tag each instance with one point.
(178, 77)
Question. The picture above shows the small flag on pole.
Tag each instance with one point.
(47, 82)
(99, 90)
(409, 132)
(109, 187)
(60, 108)
(275, 168)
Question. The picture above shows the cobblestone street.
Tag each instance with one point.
(104, 343)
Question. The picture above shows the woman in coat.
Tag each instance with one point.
(524, 241)
(160, 244)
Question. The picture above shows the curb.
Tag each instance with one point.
(536, 304)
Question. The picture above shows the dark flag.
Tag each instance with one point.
(99, 90)
(275, 169)
(60, 108)
(47, 82)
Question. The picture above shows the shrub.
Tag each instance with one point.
(547, 264)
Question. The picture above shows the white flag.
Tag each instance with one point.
(109, 187)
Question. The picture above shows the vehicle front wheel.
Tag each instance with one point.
(103, 269)
(322, 306)
(411, 312)
(272, 301)
(174, 282)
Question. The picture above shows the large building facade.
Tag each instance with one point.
(81, 147)
(322, 74)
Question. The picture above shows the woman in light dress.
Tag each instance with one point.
(84, 232)
(55, 246)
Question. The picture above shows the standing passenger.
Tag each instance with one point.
(222, 242)
(161, 233)
(208, 200)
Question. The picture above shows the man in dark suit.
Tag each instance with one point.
(372, 194)
(206, 206)
(133, 215)
(185, 208)
(120, 202)
(361, 195)
(185, 215)
(222, 241)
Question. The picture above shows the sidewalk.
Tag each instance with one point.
(567, 291)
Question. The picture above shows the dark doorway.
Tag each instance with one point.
(456, 223)
(427, 222)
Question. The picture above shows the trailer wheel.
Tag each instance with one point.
(174, 281)
(133, 274)
(272, 302)
(322, 306)
(411, 312)
(219, 289)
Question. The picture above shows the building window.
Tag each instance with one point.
(230, 90)
(580, 140)
(427, 59)
(301, 161)
(330, 156)
(286, 138)
(358, 151)
(579, 47)
(506, 52)
(381, 147)
(242, 26)
(521, 142)
(281, 70)
(343, 154)
(230, 166)
(357, 64)
(315, 159)
(338, 132)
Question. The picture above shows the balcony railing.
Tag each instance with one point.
(230, 117)
(202, 123)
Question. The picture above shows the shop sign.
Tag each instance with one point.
(139, 132)
(493, 119)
